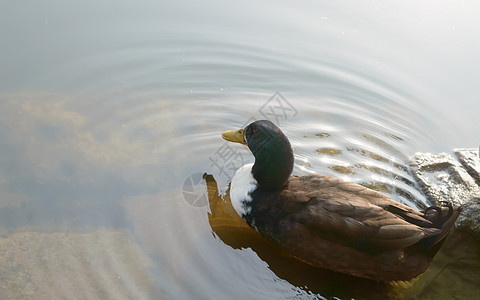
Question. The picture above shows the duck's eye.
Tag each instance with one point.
(240, 131)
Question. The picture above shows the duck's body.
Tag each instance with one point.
(328, 222)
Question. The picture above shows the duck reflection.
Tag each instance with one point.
(235, 232)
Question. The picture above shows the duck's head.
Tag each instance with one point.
(272, 150)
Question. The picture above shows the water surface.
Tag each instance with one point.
(111, 114)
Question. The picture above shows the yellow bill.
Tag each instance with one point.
(234, 136)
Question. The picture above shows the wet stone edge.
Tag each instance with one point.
(456, 180)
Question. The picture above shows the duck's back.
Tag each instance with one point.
(348, 228)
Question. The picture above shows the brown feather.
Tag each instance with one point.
(351, 229)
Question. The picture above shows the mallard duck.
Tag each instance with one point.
(328, 222)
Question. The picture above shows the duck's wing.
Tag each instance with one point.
(353, 215)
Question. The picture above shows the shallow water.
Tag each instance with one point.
(110, 114)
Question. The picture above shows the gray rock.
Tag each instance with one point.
(470, 160)
(443, 178)
(470, 217)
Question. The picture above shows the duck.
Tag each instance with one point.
(328, 222)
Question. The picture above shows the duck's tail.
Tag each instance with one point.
(442, 218)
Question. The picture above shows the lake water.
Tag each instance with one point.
(111, 113)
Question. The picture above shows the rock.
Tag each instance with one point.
(443, 178)
(470, 160)
(454, 270)
(103, 264)
(453, 273)
(470, 217)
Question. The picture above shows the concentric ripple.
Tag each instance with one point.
(98, 169)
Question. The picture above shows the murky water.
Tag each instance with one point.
(111, 114)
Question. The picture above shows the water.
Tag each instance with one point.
(111, 113)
